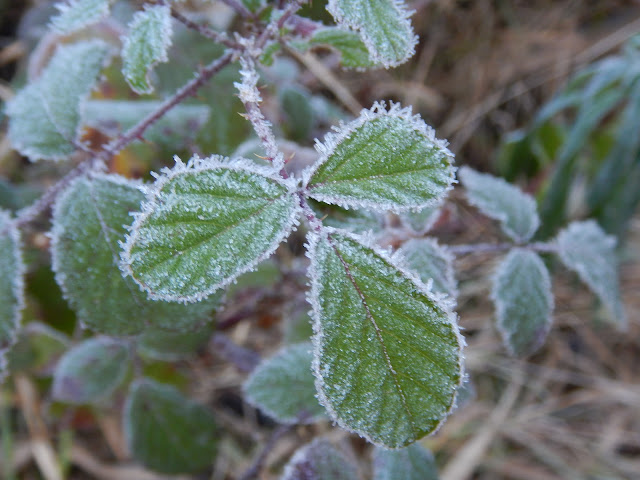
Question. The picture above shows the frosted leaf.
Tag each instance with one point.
(319, 460)
(431, 262)
(176, 127)
(37, 349)
(146, 45)
(45, 116)
(76, 14)
(282, 387)
(383, 160)
(89, 222)
(167, 431)
(524, 301)
(411, 463)
(172, 346)
(383, 25)
(388, 353)
(587, 250)
(353, 52)
(515, 210)
(91, 371)
(354, 220)
(206, 223)
(11, 283)
(422, 220)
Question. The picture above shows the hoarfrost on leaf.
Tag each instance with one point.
(411, 463)
(353, 52)
(319, 460)
(422, 220)
(388, 353)
(77, 14)
(45, 116)
(515, 210)
(587, 250)
(282, 386)
(383, 25)
(431, 262)
(146, 45)
(383, 160)
(11, 284)
(524, 301)
(89, 222)
(90, 371)
(206, 223)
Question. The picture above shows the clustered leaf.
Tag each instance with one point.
(411, 463)
(515, 210)
(524, 301)
(387, 351)
(204, 224)
(587, 250)
(45, 116)
(283, 387)
(146, 45)
(88, 225)
(353, 52)
(319, 460)
(383, 160)
(77, 14)
(90, 371)
(383, 25)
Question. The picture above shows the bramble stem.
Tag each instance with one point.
(468, 249)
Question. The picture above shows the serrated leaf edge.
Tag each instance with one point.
(500, 305)
(334, 9)
(313, 238)
(343, 131)
(195, 165)
(64, 7)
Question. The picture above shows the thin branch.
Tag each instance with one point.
(254, 470)
(243, 358)
(239, 8)
(467, 249)
(204, 30)
(273, 28)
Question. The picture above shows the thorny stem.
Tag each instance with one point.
(239, 8)
(205, 31)
(273, 27)
(467, 249)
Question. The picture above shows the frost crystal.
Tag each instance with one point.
(11, 284)
(77, 14)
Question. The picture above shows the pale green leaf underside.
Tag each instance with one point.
(319, 460)
(88, 223)
(587, 250)
(90, 371)
(11, 283)
(167, 431)
(383, 160)
(524, 301)
(354, 53)
(175, 128)
(77, 14)
(411, 463)
(422, 220)
(283, 387)
(204, 226)
(146, 45)
(383, 25)
(45, 116)
(515, 210)
(431, 262)
(388, 353)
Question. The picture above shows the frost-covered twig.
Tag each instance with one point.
(254, 470)
(498, 247)
(219, 37)
(273, 28)
(239, 8)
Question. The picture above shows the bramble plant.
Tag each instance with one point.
(143, 266)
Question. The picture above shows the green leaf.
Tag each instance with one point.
(319, 460)
(77, 14)
(37, 349)
(282, 387)
(172, 346)
(176, 128)
(45, 115)
(411, 463)
(584, 248)
(146, 45)
(524, 301)
(166, 431)
(515, 210)
(383, 25)
(383, 160)
(388, 353)
(421, 221)
(206, 223)
(91, 371)
(298, 113)
(88, 225)
(11, 284)
(432, 262)
(354, 220)
(354, 53)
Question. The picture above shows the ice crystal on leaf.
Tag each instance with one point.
(388, 353)
(383, 160)
(77, 14)
(411, 463)
(431, 262)
(206, 223)
(319, 460)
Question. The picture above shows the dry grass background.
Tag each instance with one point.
(572, 411)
